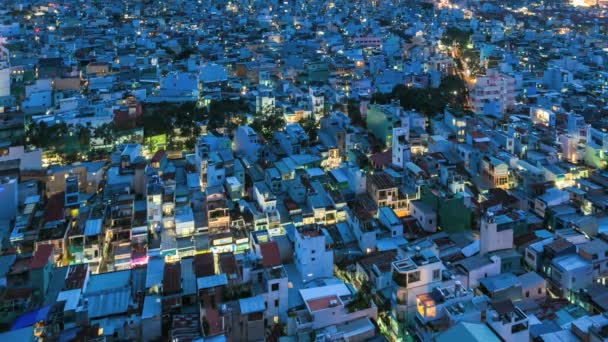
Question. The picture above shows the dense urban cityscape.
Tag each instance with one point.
(304, 170)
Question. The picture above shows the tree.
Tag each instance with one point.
(354, 113)
(310, 127)
(362, 298)
(105, 132)
(454, 92)
(456, 36)
(220, 112)
(428, 101)
(84, 136)
(70, 158)
(38, 134)
(266, 125)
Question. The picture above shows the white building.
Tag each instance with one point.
(265, 199)
(496, 233)
(247, 143)
(542, 116)
(212, 154)
(508, 322)
(276, 283)
(154, 193)
(414, 274)
(571, 273)
(313, 257)
(177, 87)
(326, 306)
(493, 94)
(550, 198)
(317, 103)
(401, 146)
(184, 220)
(389, 220)
(9, 195)
(5, 72)
(472, 269)
(425, 215)
(265, 104)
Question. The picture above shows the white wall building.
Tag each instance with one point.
(265, 199)
(265, 104)
(401, 146)
(28, 160)
(317, 103)
(5, 72)
(493, 93)
(313, 258)
(508, 322)
(247, 143)
(9, 195)
(496, 233)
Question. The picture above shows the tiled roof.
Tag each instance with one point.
(54, 208)
(172, 278)
(41, 256)
(270, 254)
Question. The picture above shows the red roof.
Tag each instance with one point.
(477, 135)
(270, 254)
(213, 318)
(21, 265)
(382, 159)
(227, 263)
(172, 278)
(204, 265)
(290, 204)
(42, 256)
(54, 210)
(321, 303)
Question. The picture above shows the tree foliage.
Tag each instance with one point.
(354, 113)
(455, 36)
(266, 125)
(428, 101)
(362, 299)
(310, 127)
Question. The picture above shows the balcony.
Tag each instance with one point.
(303, 320)
(277, 272)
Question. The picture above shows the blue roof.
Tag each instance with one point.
(23, 334)
(500, 282)
(30, 318)
(212, 281)
(468, 332)
(252, 304)
(104, 282)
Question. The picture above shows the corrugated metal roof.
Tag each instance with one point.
(92, 227)
(252, 304)
(188, 277)
(108, 281)
(211, 281)
(152, 307)
(155, 271)
(108, 303)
